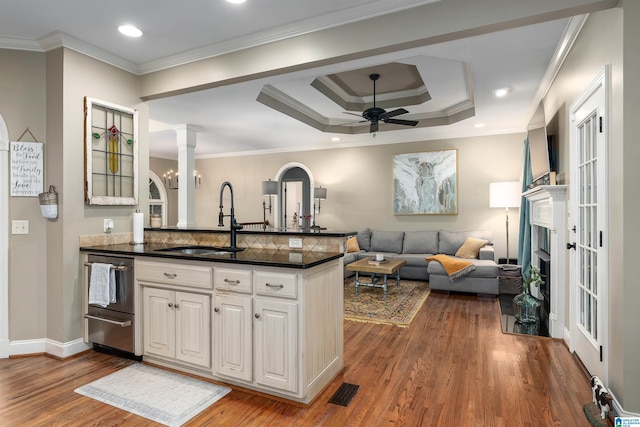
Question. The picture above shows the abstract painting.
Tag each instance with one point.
(425, 183)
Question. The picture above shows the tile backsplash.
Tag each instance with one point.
(259, 240)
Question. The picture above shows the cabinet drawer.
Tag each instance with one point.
(178, 274)
(232, 280)
(276, 284)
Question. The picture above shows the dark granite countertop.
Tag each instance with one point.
(251, 256)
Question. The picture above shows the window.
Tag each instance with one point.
(157, 197)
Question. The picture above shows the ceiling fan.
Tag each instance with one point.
(376, 114)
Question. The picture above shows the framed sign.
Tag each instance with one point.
(27, 168)
(425, 183)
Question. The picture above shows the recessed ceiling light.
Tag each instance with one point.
(335, 139)
(503, 91)
(479, 125)
(130, 30)
(236, 1)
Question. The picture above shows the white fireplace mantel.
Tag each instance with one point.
(548, 209)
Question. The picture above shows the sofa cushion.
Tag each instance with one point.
(364, 239)
(484, 268)
(471, 248)
(352, 244)
(420, 242)
(386, 241)
(450, 241)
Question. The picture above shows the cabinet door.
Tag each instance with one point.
(193, 328)
(159, 322)
(232, 326)
(276, 344)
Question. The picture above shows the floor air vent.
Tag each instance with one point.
(344, 394)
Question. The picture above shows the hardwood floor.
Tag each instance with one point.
(452, 367)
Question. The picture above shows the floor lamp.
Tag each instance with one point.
(505, 195)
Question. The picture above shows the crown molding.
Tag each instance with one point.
(59, 39)
(19, 43)
(353, 14)
(327, 21)
(571, 33)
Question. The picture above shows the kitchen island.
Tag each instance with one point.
(267, 319)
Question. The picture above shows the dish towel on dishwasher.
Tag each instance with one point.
(102, 284)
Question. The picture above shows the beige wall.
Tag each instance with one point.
(359, 184)
(22, 85)
(593, 50)
(45, 93)
(84, 76)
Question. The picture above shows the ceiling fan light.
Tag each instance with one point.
(130, 31)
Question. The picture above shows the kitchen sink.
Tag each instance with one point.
(202, 250)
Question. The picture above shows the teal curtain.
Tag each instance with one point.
(524, 240)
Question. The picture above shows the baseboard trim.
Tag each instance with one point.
(4, 348)
(619, 409)
(44, 345)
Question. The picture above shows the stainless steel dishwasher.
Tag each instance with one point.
(112, 327)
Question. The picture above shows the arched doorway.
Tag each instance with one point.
(158, 202)
(295, 186)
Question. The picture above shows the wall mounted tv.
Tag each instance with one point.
(541, 153)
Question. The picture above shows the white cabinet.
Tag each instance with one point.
(275, 330)
(232, 336)
(276, 344)
(256, 338)
(176, 323)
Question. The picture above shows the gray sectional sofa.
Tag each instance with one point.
(415, 246)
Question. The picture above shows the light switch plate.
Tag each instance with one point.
(20, 226)
(295, 243)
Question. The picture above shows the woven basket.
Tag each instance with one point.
(510, 285)
(49, 203)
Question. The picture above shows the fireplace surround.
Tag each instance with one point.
(549, 212)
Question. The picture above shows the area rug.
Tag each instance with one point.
(400, 307)
(165, 397)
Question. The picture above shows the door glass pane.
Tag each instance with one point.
(588, 236)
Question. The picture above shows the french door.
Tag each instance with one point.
(589, 212)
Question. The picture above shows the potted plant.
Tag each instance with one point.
(526, 307)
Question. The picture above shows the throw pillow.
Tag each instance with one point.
(471, 248)
(352, 244)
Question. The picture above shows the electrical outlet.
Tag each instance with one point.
(108, 225)
(295, 243)
(20, 226)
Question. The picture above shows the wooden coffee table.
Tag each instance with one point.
(385, 268)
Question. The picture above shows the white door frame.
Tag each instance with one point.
(601, 82)
(4, 239)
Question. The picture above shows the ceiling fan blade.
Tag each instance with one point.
(353, 114)
(393, 113)
(373, 127)
(402, 122)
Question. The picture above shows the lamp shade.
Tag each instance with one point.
(269, 187)
(505, 194)
(320, 193)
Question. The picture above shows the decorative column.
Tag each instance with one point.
(549, 210)
(186, 141)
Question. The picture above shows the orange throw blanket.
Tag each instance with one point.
(455, 267)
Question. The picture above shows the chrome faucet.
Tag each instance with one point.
(234, 225)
